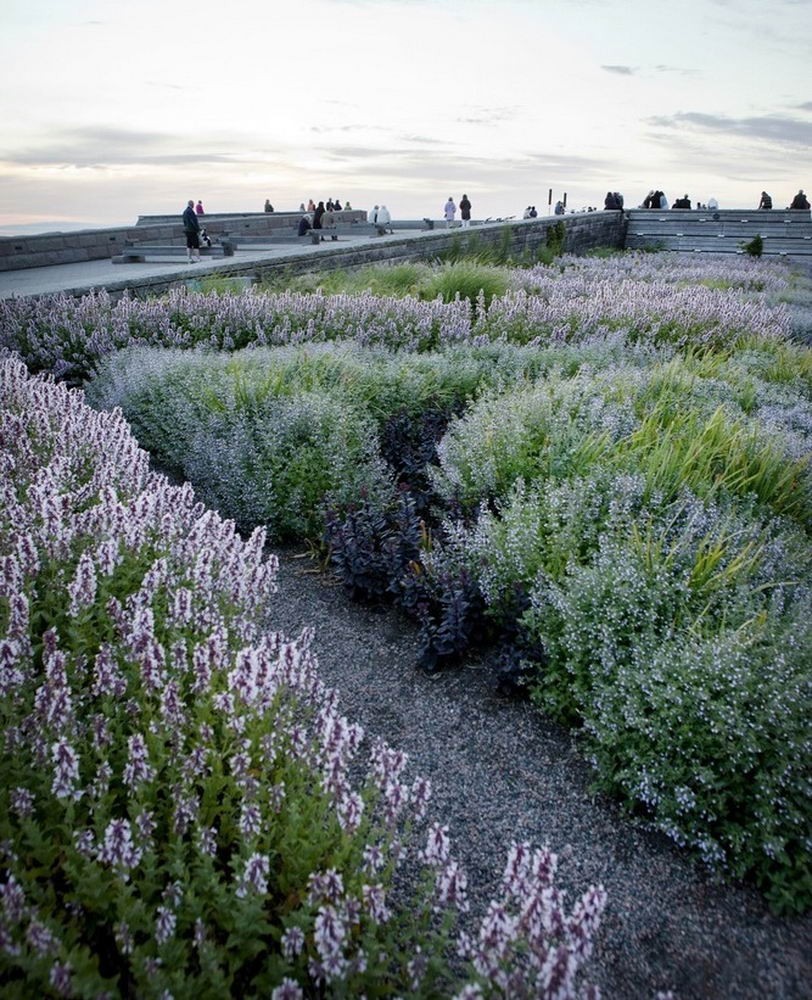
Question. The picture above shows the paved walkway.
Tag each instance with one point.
(96, 274)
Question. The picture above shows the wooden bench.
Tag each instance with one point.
(138, 252)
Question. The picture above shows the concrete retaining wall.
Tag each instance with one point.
(582, 232)
(18, 252)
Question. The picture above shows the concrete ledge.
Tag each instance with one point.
(97, 244)
(582, 232)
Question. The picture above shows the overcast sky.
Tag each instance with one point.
(112, 109)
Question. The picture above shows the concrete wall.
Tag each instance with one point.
(582, 232)
(99, 244)
(247, 223)
(63, 248)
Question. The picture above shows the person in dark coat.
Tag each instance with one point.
(765, 201)
(800, 201)
(304, 225)
(320, 210)
(465, 211)
(191, 227)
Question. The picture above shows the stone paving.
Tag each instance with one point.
(96, 274)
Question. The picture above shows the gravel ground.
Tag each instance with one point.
(501, 772)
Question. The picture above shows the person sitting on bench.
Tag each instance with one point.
(304, 225)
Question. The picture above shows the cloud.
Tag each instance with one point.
(665, 68)
(806, 106)
(105, 147)
(165, 86)
(620, 70)
(778, 129)
(487, 116)
(441, 167)
(422, 140)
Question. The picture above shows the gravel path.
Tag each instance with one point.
(501, 772)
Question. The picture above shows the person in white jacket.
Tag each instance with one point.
(449, 211)
(383, 221)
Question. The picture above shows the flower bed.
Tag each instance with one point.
(606, 471)
(178, 815)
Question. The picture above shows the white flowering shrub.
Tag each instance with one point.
(657, 521)
(681, 644)
(184, 811)
(663, 422)
(257, 454)
(676, 635)
(265, 435)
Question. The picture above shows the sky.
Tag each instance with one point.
(111, 109)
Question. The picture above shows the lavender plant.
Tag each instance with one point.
(647, 302)
(649, 386)
(177, 815)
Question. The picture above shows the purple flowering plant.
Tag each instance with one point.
(177, 814)
(658, 302)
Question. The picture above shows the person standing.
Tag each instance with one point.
(199, 208)
(191, 227)
(318, 214)
(449, 211)
(383, 220)
(465, 211)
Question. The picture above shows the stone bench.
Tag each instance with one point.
(311, 236)
(137, 253)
